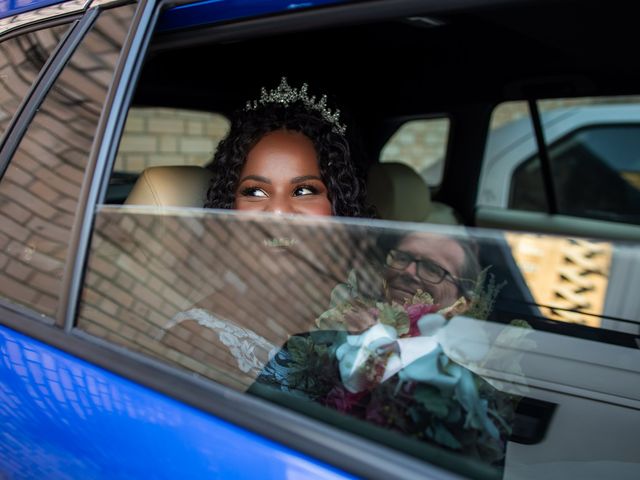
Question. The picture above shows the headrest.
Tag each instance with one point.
(400, 193)
(175, 186)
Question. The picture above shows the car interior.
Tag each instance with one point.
(385, 73)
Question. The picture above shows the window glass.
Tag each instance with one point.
(596, 172)
(593, 150)
(21, 59)
(592, 147)
(428, 342)
(592, 144)
(39, 192)
(421, 144)
(511, 137)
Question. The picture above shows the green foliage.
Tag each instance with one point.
(394, 316)
(421, 297)
(432, 400)
(484, 295)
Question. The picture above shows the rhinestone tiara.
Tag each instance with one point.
(286, 95)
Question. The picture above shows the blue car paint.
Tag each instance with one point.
(9, 8)
(61, 417)
(210, 11)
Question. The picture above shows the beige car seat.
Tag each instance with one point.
(400, 193)
(174, 186)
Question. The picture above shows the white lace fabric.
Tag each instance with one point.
(250, 350)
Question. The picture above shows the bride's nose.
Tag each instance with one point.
(280, 206)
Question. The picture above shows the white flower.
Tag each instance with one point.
(354, 353)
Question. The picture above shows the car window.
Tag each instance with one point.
(39, 191)
(421, 144)
(294, 310)
(607, 186)
(592, 148)
(161, 136)
(510, 130)
(21, 59)
(166, 136)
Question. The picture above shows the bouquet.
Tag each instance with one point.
(400, 366)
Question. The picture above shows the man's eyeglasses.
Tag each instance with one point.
(426, 270)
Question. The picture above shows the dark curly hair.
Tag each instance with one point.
(346, 189)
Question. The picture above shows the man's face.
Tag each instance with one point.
(445, 252)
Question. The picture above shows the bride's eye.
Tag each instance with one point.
(253, 192)
(304, 190)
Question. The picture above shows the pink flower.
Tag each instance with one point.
(415, 313)
(343, 400)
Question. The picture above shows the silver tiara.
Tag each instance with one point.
(287, 95)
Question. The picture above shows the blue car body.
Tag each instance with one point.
(219, 10)
(65, 418)
(14, 7)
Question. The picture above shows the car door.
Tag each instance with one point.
(68, 75)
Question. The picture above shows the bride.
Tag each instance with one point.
(286, 153)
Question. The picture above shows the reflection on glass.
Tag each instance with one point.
(39, 191)
(21, 59)
(568, 277)
(426, 340)
(64, 418)
(592, 148)
(396, 359)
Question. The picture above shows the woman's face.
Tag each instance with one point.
(281, 175)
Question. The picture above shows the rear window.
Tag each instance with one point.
(161, 136)
(422, 145)
(168, 136)
(40, 190)
(592, 147)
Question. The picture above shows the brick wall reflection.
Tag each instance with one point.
(39, 192)
(21, 59)
(145, 269)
